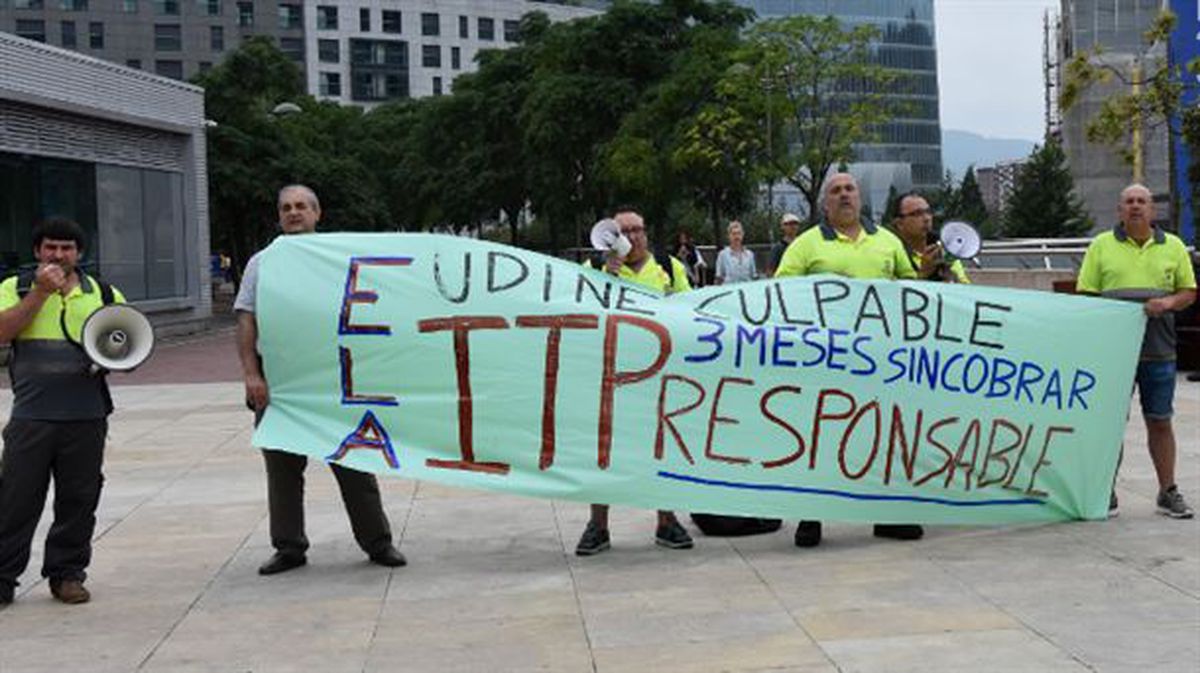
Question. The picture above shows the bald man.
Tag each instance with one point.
(1137, 261)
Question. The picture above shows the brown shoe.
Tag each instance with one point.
(71, 592)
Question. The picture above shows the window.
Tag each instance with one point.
(292, 47)
(143, 246)
(437, 86)
(167, 7)
(129, 6)
(431, 56)
(205, 66)
(327, 17)
(328, 51)
(331, 84)
(167, 37)
(487, 29)
(68, 34)
(73, 5)
(245, 14)
(455, 58)
(364, 20)
(512, 31)
(172, 69)
(391, 21)
(27, 4)
(209, 7)
(32, 29)
(96, 35)
(216, 38)
(463, 32)
(430, 24)
(290, 16)
(135, 63)
(378, 52)
(371, 86)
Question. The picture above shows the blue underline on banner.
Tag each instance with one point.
(846, 494)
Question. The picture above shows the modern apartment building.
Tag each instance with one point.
(370, 51)
(353, 51)
(172, 38)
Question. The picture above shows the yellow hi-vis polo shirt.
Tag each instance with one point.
(49, 374)
(874, 253)
(653, 276)
(956, 268)
(1115, 266)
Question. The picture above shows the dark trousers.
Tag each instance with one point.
(285, 499)
(72, 452)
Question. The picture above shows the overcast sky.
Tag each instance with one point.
(990, 66)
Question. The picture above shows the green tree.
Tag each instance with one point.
(822, 90)
(971, 208)
(246, 150)
(1043, 203)
(946, 201)
(254, 150)
(605, 105)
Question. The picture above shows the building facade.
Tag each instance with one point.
(906, 27)
(171, 38)
(997, 183)
(123, 153)
(1100, 171)
(365, 52)
(352, 51)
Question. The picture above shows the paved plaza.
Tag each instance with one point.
(493, 584)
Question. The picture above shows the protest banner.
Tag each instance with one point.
(485, 366)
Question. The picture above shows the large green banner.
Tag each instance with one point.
(481, 365)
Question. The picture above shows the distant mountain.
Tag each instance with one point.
(963, 148)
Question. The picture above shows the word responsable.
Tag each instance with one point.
(761, 332)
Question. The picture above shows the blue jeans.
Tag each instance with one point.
(1156, 388)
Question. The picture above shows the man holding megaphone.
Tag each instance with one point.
(59, 416)
(914, 226)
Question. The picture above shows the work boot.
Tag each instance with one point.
(69, 591)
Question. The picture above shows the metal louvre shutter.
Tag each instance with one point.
(36, 130)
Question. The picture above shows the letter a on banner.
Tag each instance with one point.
(370, 434)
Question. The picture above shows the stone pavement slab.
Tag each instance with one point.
(493, 584)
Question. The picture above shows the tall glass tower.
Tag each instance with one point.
(906, 29)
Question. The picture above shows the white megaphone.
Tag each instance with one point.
(960, 240)
(606, 236)
(117, 338)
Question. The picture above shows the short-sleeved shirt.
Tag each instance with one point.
(874, 253)
(247, 296)
(653, 276)
(49, 371)
(1116, 266)
(733, 267)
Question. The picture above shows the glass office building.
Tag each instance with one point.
(906, 30)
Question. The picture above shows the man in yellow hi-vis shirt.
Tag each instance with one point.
(1137, 261)
(59, 416)
(847, 246)
(913, 225)
(641, 267)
